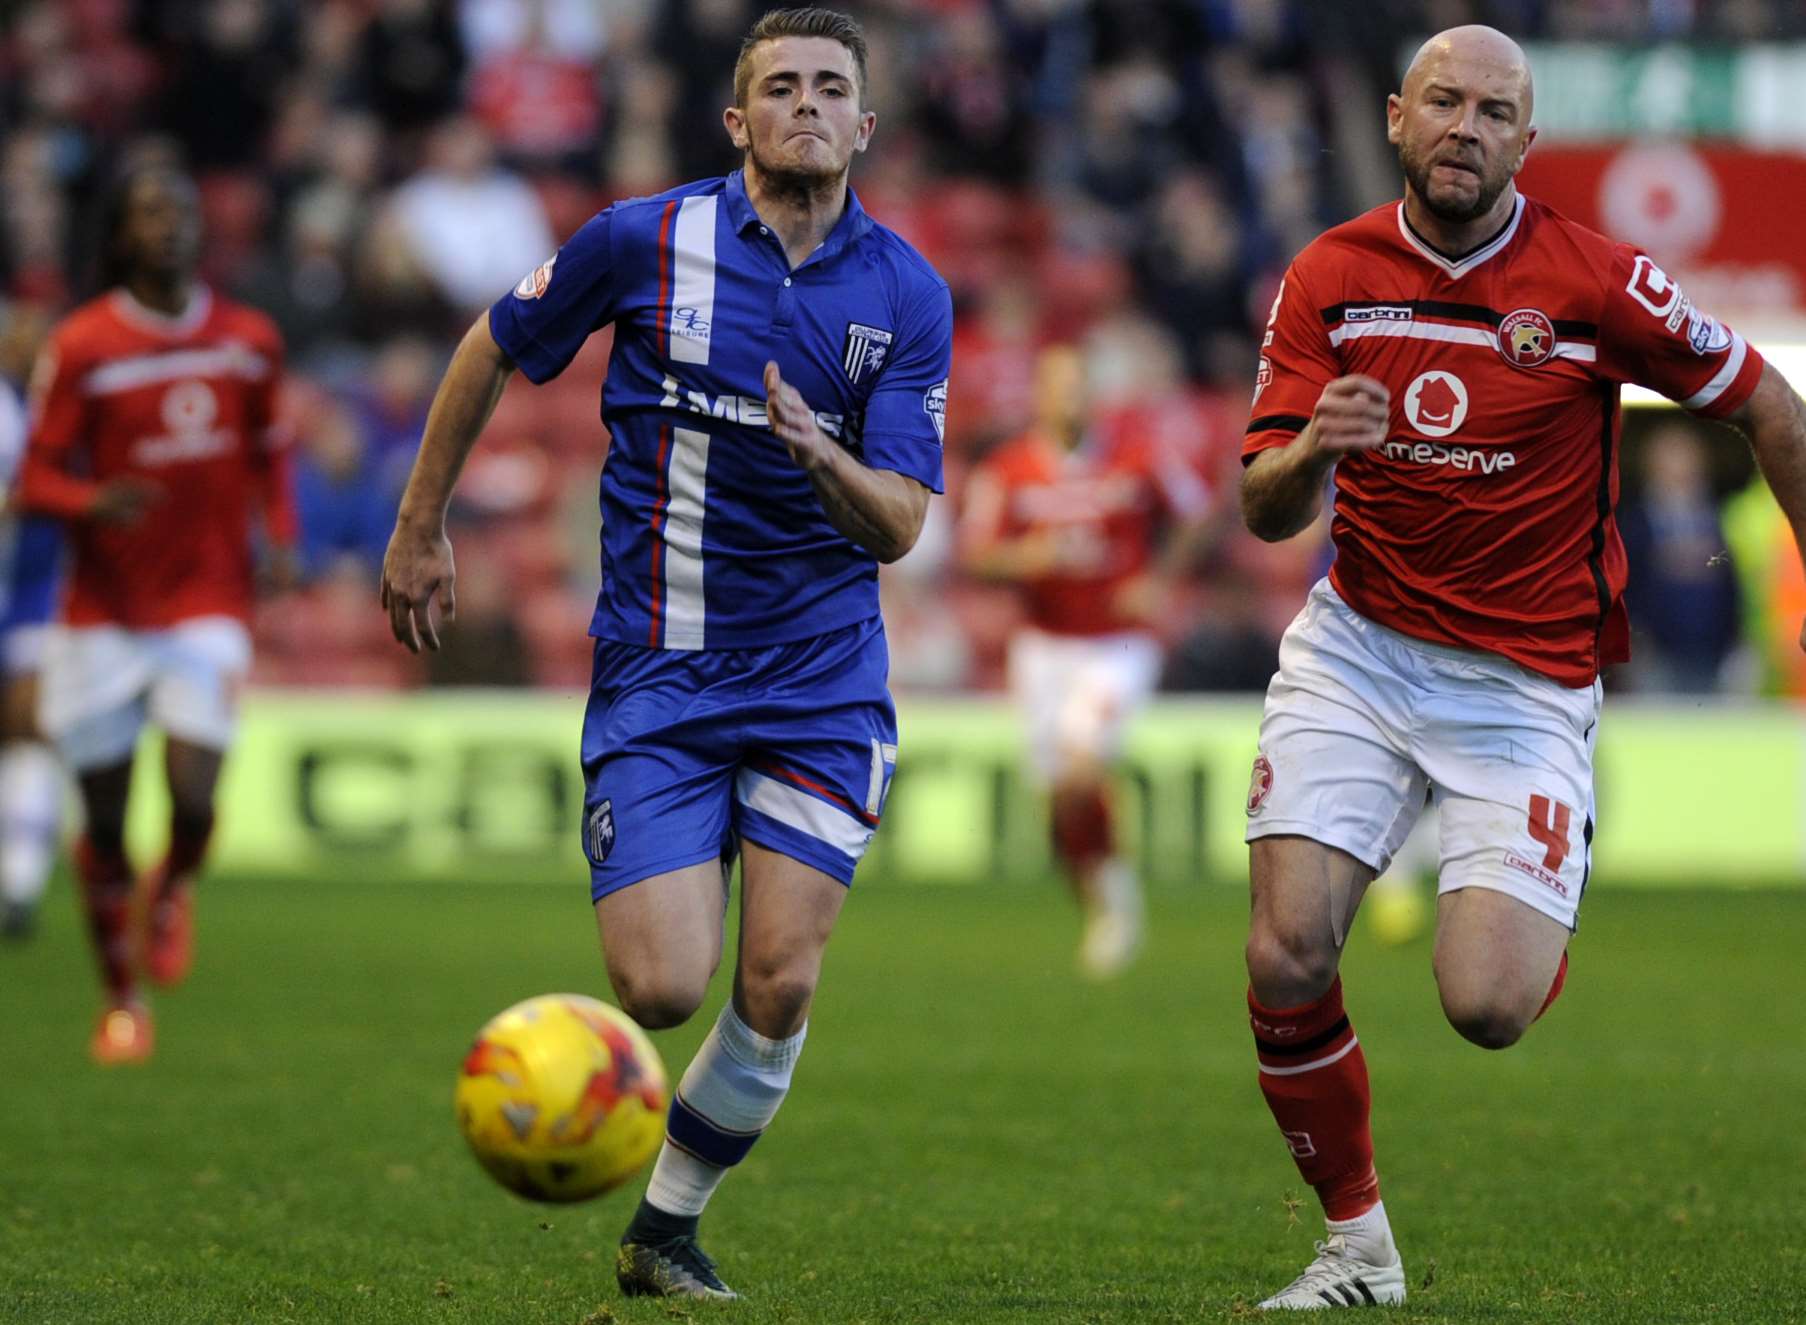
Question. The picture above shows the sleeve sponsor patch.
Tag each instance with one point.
(535, 282)
(934, 404)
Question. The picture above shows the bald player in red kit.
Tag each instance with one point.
(152, 415)
(1455, 360)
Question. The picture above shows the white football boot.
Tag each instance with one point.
(1338, 1278)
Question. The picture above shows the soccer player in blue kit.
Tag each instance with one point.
(775, 402)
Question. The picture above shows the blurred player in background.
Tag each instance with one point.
(1456, 359)
(31, 778)
(1093, 529)
(152, 418)
(775, 402)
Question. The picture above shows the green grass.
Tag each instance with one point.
(974, 1135)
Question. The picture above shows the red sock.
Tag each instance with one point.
(1083, 833)
(106, 894)
(188, 838)
(1315, 1080)
(1561, 978)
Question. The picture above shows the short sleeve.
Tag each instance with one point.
(1296, 362)
(1650, 333)
(57, 425)
(906, 414)
(543, 321)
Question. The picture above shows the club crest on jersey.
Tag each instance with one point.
(1436, 403)
(1526, 338)
(865, 350)
(534, 283)
(599, 832)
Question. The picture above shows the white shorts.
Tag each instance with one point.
(100, 685)
(1078, 692)
(1363, 724)
(22, 649)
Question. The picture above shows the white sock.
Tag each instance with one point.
(31, 812)
(728, 1096)
(1368, 1236)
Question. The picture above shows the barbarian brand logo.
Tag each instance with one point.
(1436, 403)
(865, 350)
(1260, 784)
(1380, 313)
(534, 283)
(1526, 338)
(934, 404)
(599, 832)
(1705, 333)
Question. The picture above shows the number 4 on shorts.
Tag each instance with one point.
(1549, 827)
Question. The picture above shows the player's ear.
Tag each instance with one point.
(867, 123)
(1395, 115)
(1524, 149)
(735, 120)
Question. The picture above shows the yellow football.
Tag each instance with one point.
(562, 1098)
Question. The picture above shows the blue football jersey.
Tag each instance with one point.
(712, 537)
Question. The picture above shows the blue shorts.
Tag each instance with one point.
(685, 753)
(30, 561)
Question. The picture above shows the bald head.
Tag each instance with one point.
(1478, 48)
(1461, 123)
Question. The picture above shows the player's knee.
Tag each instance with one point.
(1287, 967)
(777, 997)
(658, 999)
(1491, 1023)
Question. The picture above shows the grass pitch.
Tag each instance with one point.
(974, 1134)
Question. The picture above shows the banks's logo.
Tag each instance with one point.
(534, 283)
(1526, 338)
(1260, 784)
(1436, 403)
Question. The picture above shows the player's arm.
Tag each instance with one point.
(879, 509)
(990, 554)
(1774, 419)
(1282, 487)
(47, 485)
(417, 569)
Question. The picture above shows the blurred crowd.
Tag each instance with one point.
(1128, 176)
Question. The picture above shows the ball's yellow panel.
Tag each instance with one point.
(562, 1097)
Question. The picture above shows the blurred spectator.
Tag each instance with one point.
(228, 60)
(346, 510)
(473, 228)
(411, 63)
(1683, 594)
(534, 86)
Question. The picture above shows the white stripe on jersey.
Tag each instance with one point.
(693, 288)
(803, 812)
(687, 482)
(229, 360)
(1443, 331)
(1722, 379)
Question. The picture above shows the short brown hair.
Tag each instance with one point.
(811, 21)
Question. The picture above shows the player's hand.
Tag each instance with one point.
(417, 569)
(281, 570)
(124, 500)
(1352, 414)
(1146, 599)
(794, 422)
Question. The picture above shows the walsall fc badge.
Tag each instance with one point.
(1526, 338)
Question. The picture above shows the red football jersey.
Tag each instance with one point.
(186, 402)
(1103, 503)
(1486, 518)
